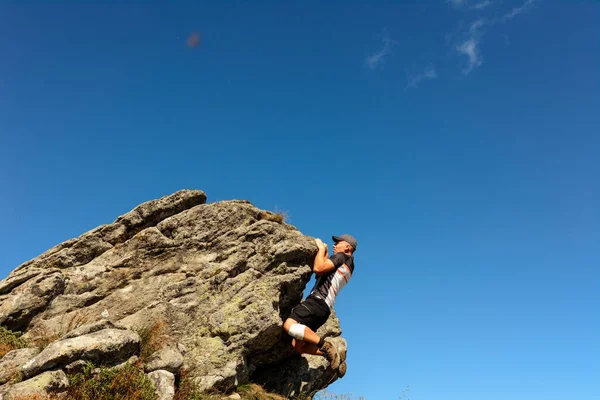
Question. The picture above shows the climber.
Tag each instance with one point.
(333, 274)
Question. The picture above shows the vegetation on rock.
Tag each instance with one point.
(124, 383)
(153, 337)
(10, 340)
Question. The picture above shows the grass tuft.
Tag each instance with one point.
(252, 391)
(123, 383)
(188, 390)
(10, 341)
(153, 338)
(279, 216)
(41, 335)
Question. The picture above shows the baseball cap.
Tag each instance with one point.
(347, 238)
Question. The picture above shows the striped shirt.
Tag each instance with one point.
(329, 285)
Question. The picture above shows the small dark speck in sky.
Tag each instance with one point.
(193, 40)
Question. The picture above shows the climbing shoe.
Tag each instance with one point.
(342, 369)
(330, 353)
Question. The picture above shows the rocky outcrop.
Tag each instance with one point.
(167, 358)
(40, 385)
(214, 282)
(107, 344)
(12, 362)
(164, 381)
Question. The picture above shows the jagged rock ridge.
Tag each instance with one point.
(221, 277)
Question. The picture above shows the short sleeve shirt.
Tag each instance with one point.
(329, 285)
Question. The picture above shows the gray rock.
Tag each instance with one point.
(222, 277)
(24, 302)
(107, 344)
(164, 381)
(91, 328)
(39, 385)
(17, 279)
(132, 360)
(181, 347)
(13, 360)
(303, 375)
(167, 358)
(75, 366)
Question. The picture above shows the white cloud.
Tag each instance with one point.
(428, 73)
(376, 59)
(469, 48)
(482, 4)
(475, 26)
(518, 10)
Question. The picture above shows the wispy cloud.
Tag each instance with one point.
(518, 10)
(428, 73)
(477, 25)
(470, 49)
(376, 59)
(469, 45)
(482, 4)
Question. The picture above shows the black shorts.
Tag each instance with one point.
(311, 312)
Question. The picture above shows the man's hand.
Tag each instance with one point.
(320, 244)
(322, 264)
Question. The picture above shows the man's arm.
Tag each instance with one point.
(322, 264)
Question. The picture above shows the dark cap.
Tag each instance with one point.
(346, 238)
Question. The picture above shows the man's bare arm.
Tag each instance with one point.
(322, 264)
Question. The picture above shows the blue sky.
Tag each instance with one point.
(457, 140)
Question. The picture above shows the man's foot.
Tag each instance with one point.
(343, 366)
(330, 353)
(342, 369)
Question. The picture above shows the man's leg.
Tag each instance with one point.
(309, 342)
(306, 348)
(312, 343)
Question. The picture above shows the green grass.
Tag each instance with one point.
(124, 383)
(10, 340)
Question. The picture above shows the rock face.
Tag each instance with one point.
(167, 358)
(13, 361)
(214, 281)
(107, 344)
(38, 385)
(164, 382)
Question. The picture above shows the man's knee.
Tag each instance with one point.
(288, 324)
(298, 345)
(294, 329)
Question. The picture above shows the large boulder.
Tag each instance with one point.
(219, 279)
(12, 361)
(100, 346)
(168, 358)
(164, 382)
(36, 387)
(30, 298)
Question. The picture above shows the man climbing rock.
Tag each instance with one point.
(333, 274)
